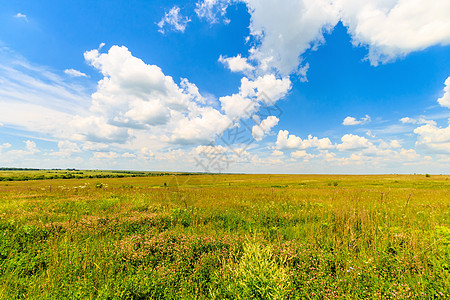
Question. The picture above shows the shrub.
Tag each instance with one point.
(257, 275)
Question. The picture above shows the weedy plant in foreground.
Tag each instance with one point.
(226, 237)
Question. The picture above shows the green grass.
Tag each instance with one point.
(226, 237)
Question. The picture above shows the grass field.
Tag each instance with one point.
(226, 237)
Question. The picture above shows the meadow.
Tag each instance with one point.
(200, 236)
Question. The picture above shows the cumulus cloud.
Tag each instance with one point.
(135, 105)
(173, 19)
(136, 96)
(66, 149)
(236, 63)
(97, 129)
(147, 152)
(287, 141)
(31, 147)
(349, 121)
(201, 128)
(421, 120)
(290, 141)
(353, 142)
(265, 90)
(395, 28)
(395, 144)
(263, 128)
(74, 73)
(433, 139)
(277, 153)
(192, 89)
(445, 99)
(389, 29)
(286, 31)
(302, 154)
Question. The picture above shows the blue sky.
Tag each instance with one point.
(263, 86)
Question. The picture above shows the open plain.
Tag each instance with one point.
(226, 237)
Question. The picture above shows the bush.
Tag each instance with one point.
(257, 275)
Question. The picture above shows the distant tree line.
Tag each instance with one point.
(76, 174)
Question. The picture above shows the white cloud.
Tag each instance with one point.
(277, 153)
(433, 139)
(210, 150)
(66, 149)
(349, 121)
(287, 141)
(270, 89)
(106, 155)
(21, 16)
(409, 154)
(394, 28)
(238, 106)
(421, 120)
(302, 154)
(147, 153)
(33, 98)
(69, 147)
(253, 93)
(286, 31)
(192, 89)
(370, 134)
(128, 155)
(290, 141)
(31, 147)
(353, 142)
(211, 9)
(177, 156)
(74, 73)
(388, 28)
(135, 105)
(445, 99)
(92, 146)
(302, 72)
(139, 96)
(236, 63)
(395, 144)
(97, 129)
(258, 131)
(200, 128)
(408, 120)
(173, 19)
(128, 81)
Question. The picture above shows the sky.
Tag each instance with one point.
(252, 86)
